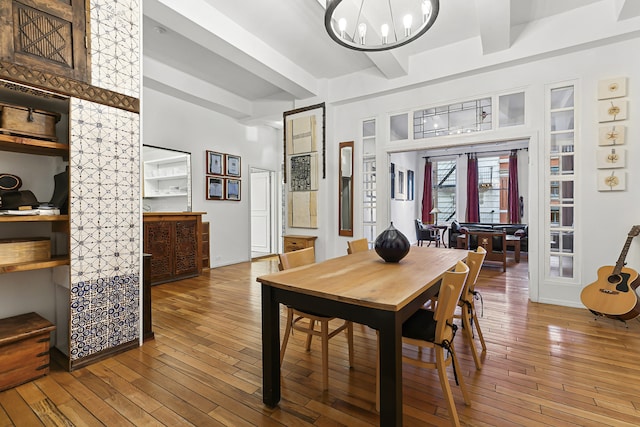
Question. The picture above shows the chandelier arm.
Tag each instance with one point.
(393, 21)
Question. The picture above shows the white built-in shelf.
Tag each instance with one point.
(165, 177)
(156, 196)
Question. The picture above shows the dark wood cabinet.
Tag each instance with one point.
(174, 241)
(205, 246)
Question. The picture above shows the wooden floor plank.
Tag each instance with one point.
(545, 366)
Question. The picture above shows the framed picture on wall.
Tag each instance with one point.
(215, 163)
(233, 189)
(215, 188)
(233, 165)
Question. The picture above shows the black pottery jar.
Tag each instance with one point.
(391, 245)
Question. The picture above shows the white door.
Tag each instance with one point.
(260, 213)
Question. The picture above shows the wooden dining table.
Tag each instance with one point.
(360, 287)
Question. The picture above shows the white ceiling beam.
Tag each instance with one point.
(216, 32)
(625, 9)
(177, 83)
(392, 64)
(494, 21)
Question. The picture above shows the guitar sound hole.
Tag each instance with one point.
(614, 278)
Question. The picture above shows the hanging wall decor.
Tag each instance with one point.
(612, 180)
(304, 134)
(612, 110)
(612, 88)
(612, 107)
(222, 176)
(611, 158)
(611, 135)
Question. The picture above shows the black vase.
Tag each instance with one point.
(391, 245)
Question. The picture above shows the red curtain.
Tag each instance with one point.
(473, 200)
(514, 195)
(427, 193)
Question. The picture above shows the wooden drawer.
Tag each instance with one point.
(295, 243)
(24, 349)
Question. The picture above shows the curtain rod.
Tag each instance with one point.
(480, 152)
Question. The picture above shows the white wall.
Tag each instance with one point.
(403, 211)
(173, 123)
(602, 219)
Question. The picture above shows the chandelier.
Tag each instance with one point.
(373, 27)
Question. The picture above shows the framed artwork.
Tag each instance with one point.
(303, 172)
(401, 184)
(611, 158)
(305, 132)
(612, 110)
(611, 135)
(215, 163)
(215, 188)
(393, 180)
(612, 88)
(410, 184)
(613, 180)
(233, 189)
(233, 166)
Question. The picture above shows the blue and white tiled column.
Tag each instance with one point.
(105, 228)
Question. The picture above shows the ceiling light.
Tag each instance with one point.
(347, 22)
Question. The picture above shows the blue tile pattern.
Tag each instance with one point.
(115, 45)
(105, 227)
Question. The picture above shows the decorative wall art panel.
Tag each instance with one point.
(303, 209)
(611, 135)
(115, 45)
(303, 172)
(612, 180)
(105, 227)
(611, 158)
(612, 110)
(612, 88)
(301, 135)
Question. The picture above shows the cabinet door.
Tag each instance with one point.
(186, 248)
(45, 34)
(159, 242)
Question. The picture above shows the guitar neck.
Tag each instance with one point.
(623, 256)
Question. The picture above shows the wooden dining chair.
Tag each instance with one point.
(359, 245)
(305, 322)
(436, 330)
(467, 303)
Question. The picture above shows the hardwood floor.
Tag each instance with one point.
(545, 365)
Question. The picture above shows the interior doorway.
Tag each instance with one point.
(263, 213)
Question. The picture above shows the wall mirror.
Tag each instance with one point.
(166, 183)
(345, 191)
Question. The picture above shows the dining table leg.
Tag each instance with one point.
(390, 336)
(270, 348)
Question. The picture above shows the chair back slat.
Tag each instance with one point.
(474, 261)
(298, 258)
(359, 245)
(448, 297)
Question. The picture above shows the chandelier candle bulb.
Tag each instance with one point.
(407, 20)
(362, 32)
(384, 29)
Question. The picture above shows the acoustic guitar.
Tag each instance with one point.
(613, 294)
